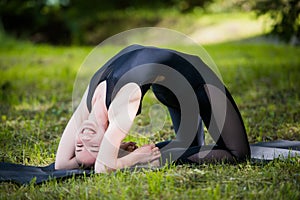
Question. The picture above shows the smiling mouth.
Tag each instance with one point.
(88, 131)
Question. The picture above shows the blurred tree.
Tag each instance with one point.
(285, 15)
(40, 20)
(67, 21)
(189, 5)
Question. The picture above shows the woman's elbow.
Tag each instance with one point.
(101, 168)
(59, 165)
(65, 164)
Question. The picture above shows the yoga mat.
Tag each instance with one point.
(282, 149)
(283, 144)
(21, 174)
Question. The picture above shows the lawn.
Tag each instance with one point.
(36, 102)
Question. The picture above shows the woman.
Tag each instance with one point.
(94, 134)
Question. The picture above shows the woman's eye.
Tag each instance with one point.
(94, 150)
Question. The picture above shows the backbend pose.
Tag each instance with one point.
(94, 134)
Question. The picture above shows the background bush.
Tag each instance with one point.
(90, 22)
(285, 15)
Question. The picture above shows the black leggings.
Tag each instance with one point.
(231, 144)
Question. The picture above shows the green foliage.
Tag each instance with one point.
(67, 21)
(35, 19)
(285, 15)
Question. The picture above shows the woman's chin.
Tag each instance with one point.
(85, 158)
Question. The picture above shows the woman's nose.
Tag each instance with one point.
(86, 136)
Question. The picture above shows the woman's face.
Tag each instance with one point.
(91, 132)
(87, 143)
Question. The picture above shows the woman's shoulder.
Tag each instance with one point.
(100, 92)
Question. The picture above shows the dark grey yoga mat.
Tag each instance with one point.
(282, 149)
(21, 174)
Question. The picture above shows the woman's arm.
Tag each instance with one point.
(65, 156)
(121, 114)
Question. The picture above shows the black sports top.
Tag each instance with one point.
(149, 66)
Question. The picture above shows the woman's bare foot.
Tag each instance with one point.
(147, 154)
(155, 163)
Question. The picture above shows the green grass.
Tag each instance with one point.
(36, 103)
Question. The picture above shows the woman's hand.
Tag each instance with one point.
(128, 146)
(146, 154)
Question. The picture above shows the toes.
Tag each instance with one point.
(155, 149)
(155, 163)
(156, 154)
